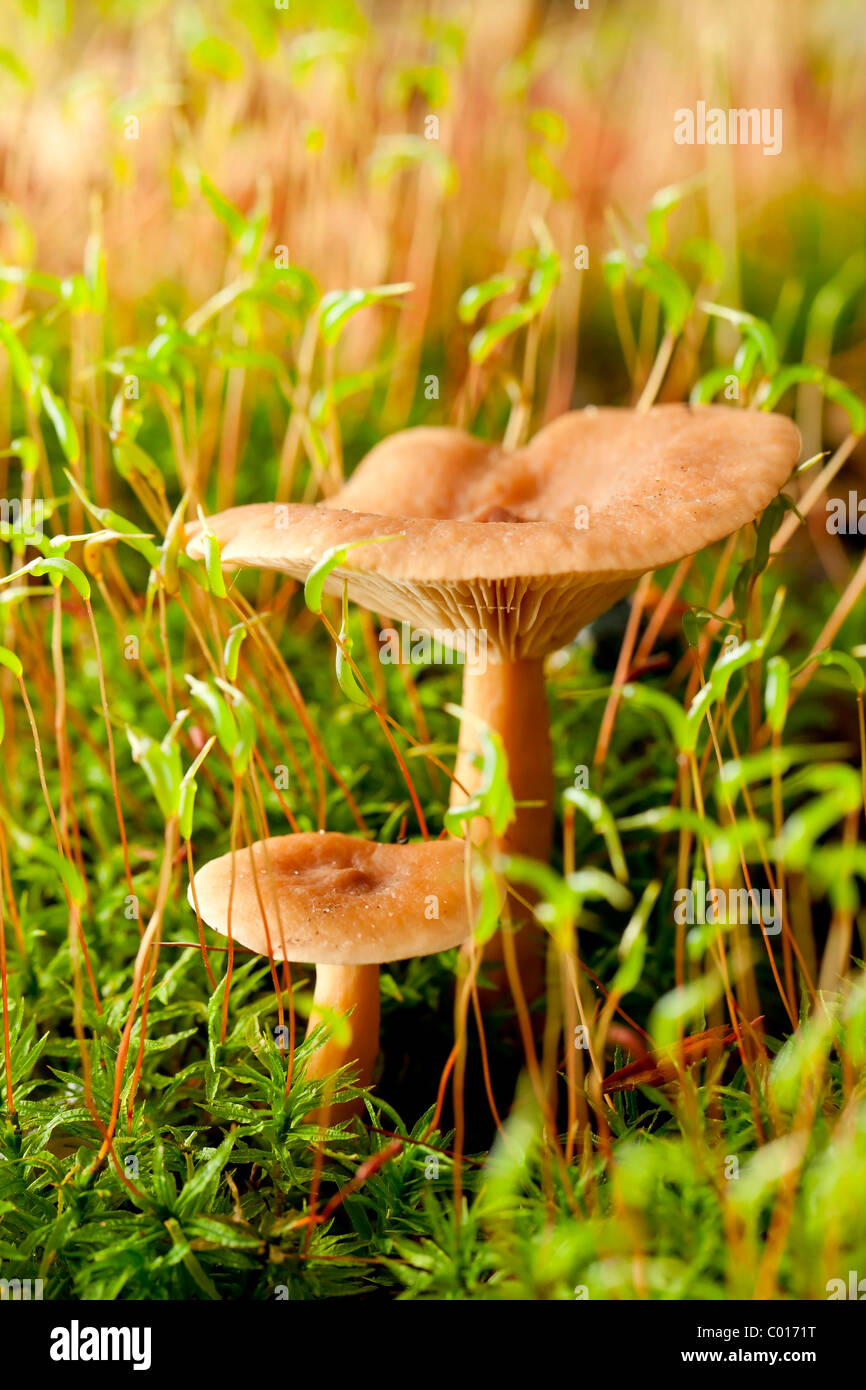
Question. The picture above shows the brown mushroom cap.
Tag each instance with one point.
(333, 899)
(489, 539)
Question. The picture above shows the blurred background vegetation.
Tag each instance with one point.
(319, 112)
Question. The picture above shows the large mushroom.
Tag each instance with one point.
(521, 549)
(346, 905)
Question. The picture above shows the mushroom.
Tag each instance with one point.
(521, 549)
(347, 905)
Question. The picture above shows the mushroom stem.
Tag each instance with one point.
(341, 989)
(510, 697)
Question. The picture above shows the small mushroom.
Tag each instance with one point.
(346, 905)
(524, 548)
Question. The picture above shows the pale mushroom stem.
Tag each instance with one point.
(510, 697)
(341, 989)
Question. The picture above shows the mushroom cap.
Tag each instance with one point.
(335, 899)
(491, 541)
